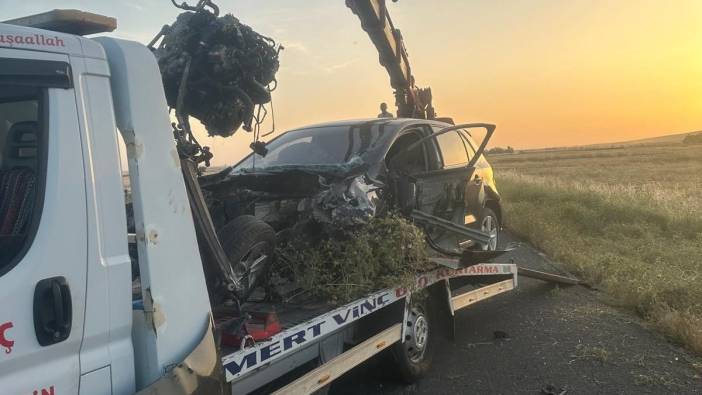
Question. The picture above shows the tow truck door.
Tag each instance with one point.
(43, 256)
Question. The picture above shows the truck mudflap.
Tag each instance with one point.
(200, 372)
(247, 361)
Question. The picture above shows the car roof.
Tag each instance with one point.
(392, 126)
(396, 122)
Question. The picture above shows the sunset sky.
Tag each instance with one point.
(548, 73)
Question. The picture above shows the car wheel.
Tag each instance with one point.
(490, 224)
(413, 356)
(249, 244)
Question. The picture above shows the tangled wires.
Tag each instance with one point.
(215, 69)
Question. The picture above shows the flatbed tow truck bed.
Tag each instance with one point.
(319, 332)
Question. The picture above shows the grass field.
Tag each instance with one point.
(626, 219)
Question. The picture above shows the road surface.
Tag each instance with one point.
(562, 339)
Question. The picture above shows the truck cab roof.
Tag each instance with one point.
(41, 40)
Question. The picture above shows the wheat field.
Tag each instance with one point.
(627, 220)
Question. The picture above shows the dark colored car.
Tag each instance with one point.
(343, 173)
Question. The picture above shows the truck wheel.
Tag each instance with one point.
(489, 223)
(413, 356)
(249, 244)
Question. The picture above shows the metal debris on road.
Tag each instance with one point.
(551, 389)
(550, 277)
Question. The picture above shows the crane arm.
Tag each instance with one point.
(411, 101)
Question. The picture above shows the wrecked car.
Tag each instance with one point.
(318, 181)
(343, 173)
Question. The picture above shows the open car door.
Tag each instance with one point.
(445, 199)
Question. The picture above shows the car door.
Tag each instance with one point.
(444, 185)
(440, 189)
(440, 185)
(483, 170)
(43, 253)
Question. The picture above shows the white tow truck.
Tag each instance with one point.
(69, 323)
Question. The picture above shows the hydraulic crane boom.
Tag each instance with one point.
(411, 101)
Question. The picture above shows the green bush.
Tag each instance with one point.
(346, 264)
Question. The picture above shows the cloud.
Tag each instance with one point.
(295, 46)
(134, 5)
(339, 66)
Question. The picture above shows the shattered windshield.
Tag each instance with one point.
(316, 146)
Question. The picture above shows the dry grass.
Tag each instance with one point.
(626, 219)
(595, 353)
(346, 264)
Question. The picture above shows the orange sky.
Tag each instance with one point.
(548, 73)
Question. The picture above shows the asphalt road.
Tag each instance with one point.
(559, 339)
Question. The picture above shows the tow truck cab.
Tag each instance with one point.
(67, 322)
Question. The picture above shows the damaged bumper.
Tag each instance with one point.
(341, 195)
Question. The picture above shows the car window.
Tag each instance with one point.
(453, 151)
(409, 162)
(20, 137)
(315, 146)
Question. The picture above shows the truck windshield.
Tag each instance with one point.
(315, 146)
(19, 168)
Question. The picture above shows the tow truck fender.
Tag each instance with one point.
(201, 372)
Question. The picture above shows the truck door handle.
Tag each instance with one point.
(52, 310)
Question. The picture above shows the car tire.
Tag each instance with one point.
(412, 358)
(246, 240)
(490, 223)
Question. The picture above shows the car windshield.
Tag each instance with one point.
(316, 146)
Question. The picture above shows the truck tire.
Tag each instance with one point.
(246, 240)
(412, 358)
(490, 223)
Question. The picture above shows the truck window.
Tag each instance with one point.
(453, 151)
(20, 168)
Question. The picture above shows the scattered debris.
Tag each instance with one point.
(550, 277)
(551, 389)
(472, 345)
